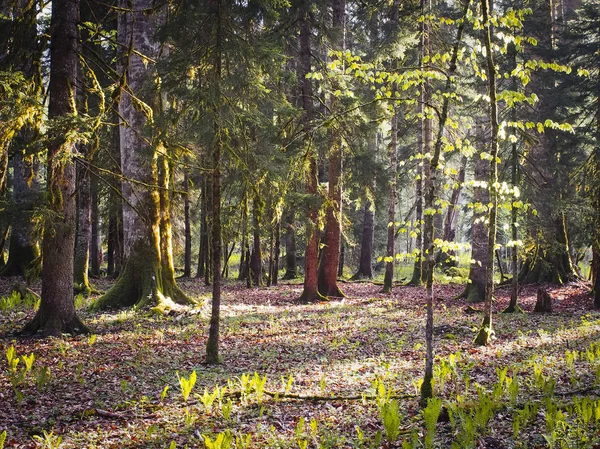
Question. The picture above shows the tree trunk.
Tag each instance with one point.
(543, 303)
(115, 212)
(365, 265)
(428, 234)
(256, 257)
(142, 280)
(475, 289)
(391, 251)
(24, 257)
(291, 266)
(187, 264)
(333, 215)
(203, 243)
(56, 314)
(310, 292)
(84, 230)
(212, 344)
(447, 259)
(275, 272)
(243, 274)
(95, 246)
(486, 331)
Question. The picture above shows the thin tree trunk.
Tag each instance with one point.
(391, 251)
(203, 243)
(256, 261)
(275, 272)
(447, 259)
(212, 344)
(291, 266)
(95, 247)
(427, 386)
(84, 230)
(486, 331)
(187, 264)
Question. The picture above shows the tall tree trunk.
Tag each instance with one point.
(95, 246)
(142, 280)
(187, 264)
(24, 252)
(391, 251)
(212, 344)
(333, 215)
(115, 208)
(428, 234)
(275, 272)
(56, 314)
(310, 292)
(486, 331)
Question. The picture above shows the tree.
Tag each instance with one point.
(146, 277)
(310, 292)
(333, 215)
(24, 54)
(56, 314)
(485, 332)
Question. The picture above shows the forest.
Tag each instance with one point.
(300, 224)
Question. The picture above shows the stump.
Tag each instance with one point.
(544, 302)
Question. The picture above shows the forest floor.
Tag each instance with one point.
(338, 374)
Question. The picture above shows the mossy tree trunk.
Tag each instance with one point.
(24, 54)
(143, 280)
(56, 314)
(486, 331)
(187, 256)
(550, 260)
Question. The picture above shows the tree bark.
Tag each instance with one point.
(212, 344)
(143, 280)
(365, 264)
(310, 292)
(84, 229)
(187, 264)
(56, 314)
(95, 246)
(447, 259)
(291, 266)
(256, 257)
(390, 250)
(24, 258)
(485, 333)
(333, 215)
